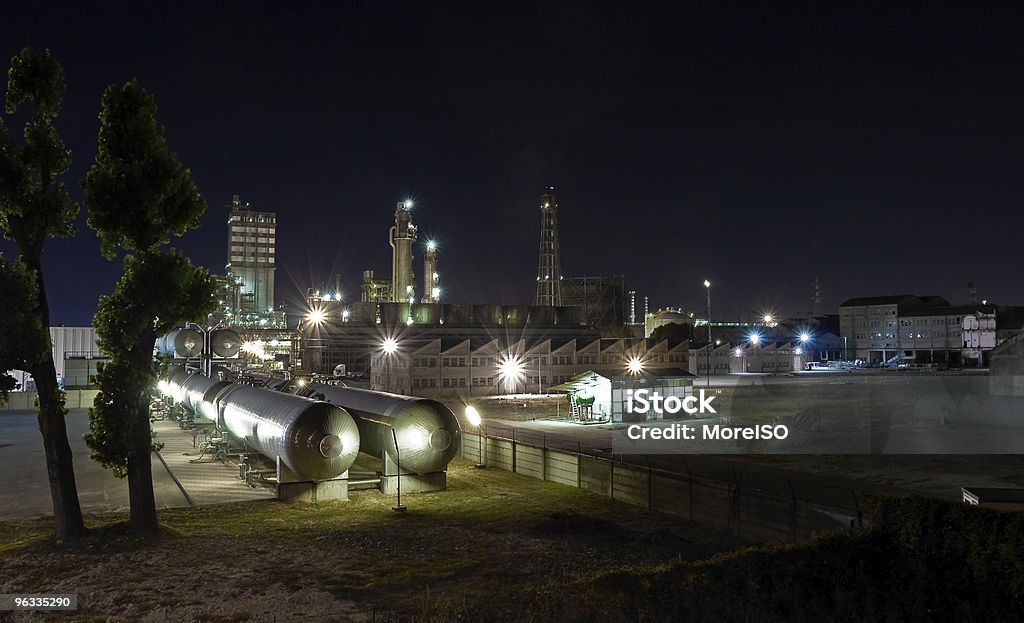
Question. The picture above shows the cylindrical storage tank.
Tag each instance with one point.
(428, 432)
(198, 392)
(225, 343)
(314, 439)
(184, 343)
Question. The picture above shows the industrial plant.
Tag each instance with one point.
(303, 439)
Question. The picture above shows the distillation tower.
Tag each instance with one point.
(402, 236)
(431, 280)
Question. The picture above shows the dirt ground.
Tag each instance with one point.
(482, 550)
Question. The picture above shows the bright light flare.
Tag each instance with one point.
(755, 338)
(389, 346)
(805, 337)
(511, 372)
(472, 416)
(431, 245)
(316, 316)
(635, 365)
(707, 284)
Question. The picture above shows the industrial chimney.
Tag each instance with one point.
(402, 236)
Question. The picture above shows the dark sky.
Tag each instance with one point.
(878, 147)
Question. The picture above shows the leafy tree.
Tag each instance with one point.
(138, 195)
(35, 206)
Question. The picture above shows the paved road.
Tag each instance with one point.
(26, 491)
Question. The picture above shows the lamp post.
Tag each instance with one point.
(473, 416)
(707, 286)
(805, 337)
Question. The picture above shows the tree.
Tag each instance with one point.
(35, 206)
(138, 195)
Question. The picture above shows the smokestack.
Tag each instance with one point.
(401, 236)
(431, 280)
(646, 309)
(632, 307)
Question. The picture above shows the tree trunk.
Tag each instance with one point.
(142, 501)
(140, 478)
(60, 467)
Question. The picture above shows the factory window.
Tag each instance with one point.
(433, 382)
(446, 362)
(476, 362)
(432, 362)
(261, 260)
(462, 362)
(543, 361)
(462, 381)
(270, 260)
(416, 383)
(446, 383)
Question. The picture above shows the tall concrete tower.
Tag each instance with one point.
(252, 242)
(549, 272)
(431, 280)
(402, 236)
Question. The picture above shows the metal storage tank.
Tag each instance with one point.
(428, 432)
(183, 343)
(198, 392)
(316, 440)
(225, 343)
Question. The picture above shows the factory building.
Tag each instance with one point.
(252, 258)
(910, 329)
(76, 355)
(455, 367)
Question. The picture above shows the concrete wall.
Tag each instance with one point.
(746, 504)
(26, 401)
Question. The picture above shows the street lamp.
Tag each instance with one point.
(635, 365)
(473, 416)
(707, 285)
(390, 347)
(510, 372)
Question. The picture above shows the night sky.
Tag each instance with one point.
(878, 148)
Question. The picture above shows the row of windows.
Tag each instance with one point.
(253, 239)
(921, 322)
(237, 218)
(460, 362)
(260, 260)
(237, 231)
(240, 249)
